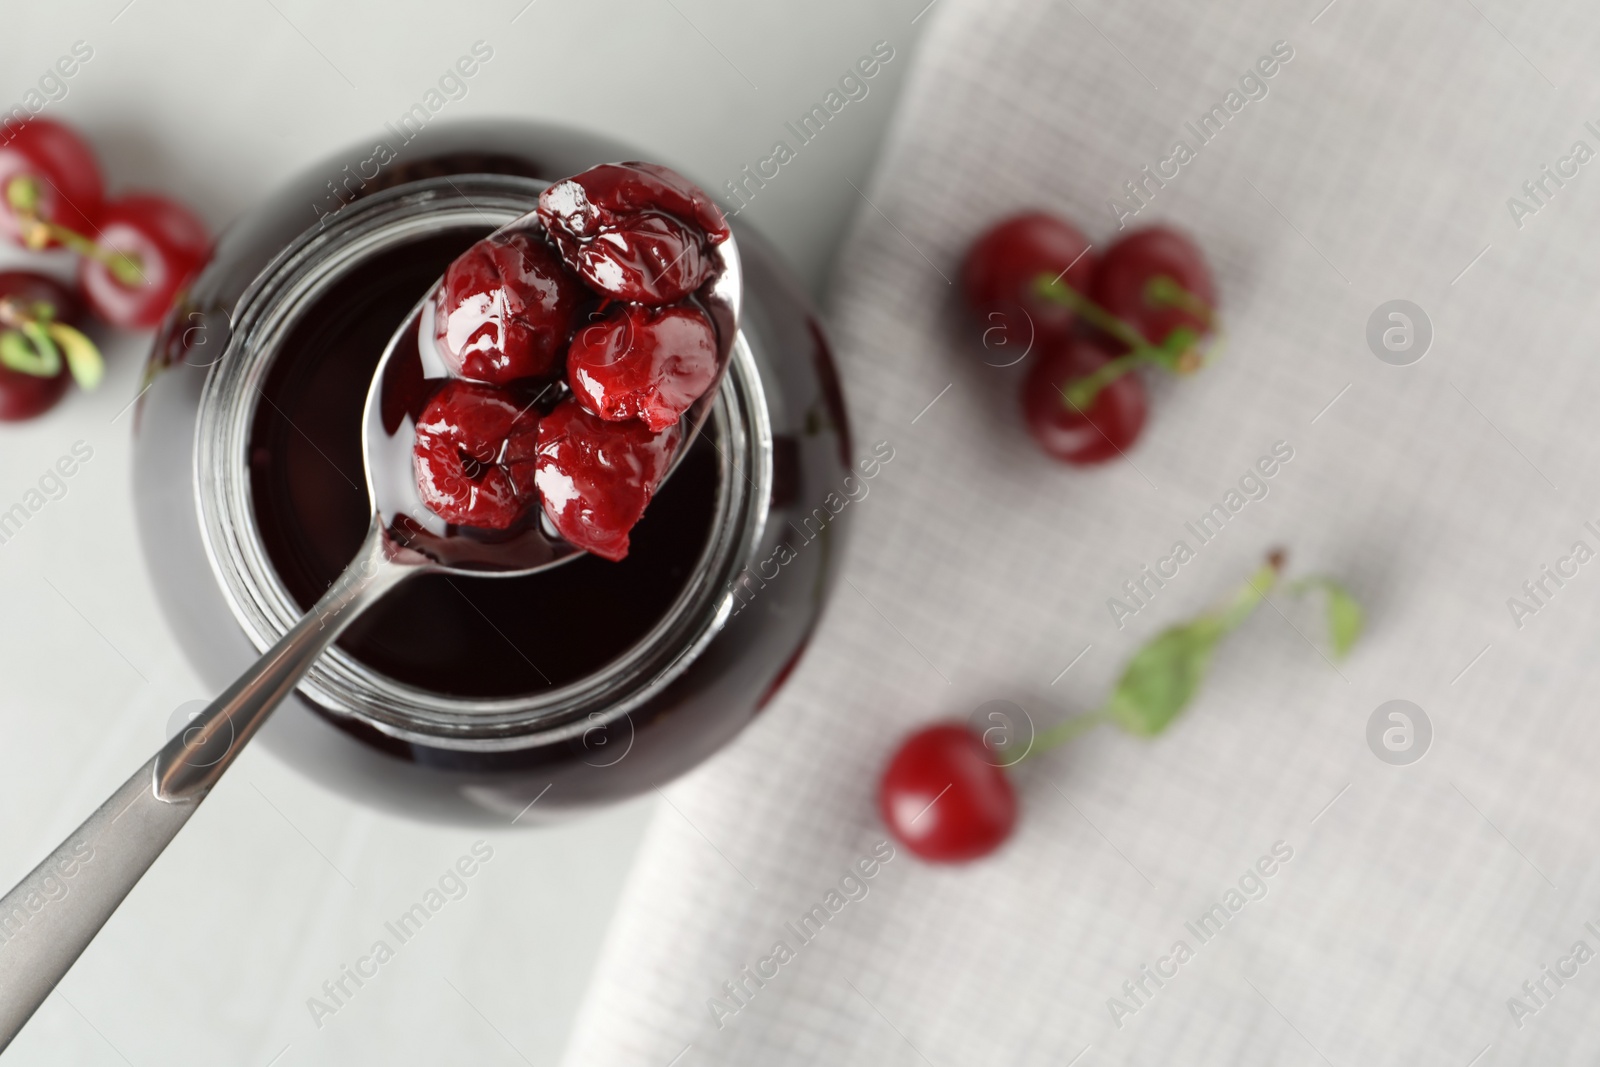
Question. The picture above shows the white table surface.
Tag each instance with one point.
(277, 882)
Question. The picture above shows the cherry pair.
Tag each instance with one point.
(1087, 321)
(136, 253)
(600, 300)
(137, 250)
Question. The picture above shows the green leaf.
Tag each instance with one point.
(1164, 675)
(83, 358)
(1162, 678)
(1345, 617)
(1345, 622)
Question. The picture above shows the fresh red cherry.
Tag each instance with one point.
(148, 249)
(1113, 419)
(474, 456)
(49, 168)
(635, 231)
(27, 302)
(641, 362)
(945, 796)
(506, 310)
(25, 396)
(1003, 267)
(596, 477)
(1157, 281)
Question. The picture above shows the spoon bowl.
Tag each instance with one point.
(411, 370)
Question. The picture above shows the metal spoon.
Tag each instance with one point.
(50, 917)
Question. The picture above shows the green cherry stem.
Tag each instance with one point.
(1247, 597)
(1165, 672)
(1058, 291)
(124, 268)
(22, 195)
(1176, 353)
(1080, 393)
(1064, 731)
(1165, 290)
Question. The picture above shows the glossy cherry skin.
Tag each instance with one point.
(170, 245)
(944, 796)
(507, 309)
(1106, 430)
(635, 231)
(1003, 266)
(596, 477)
(474, 456)
(23, 396)
(71, 193)
(644, 363)
(26, 396)
(1120, 283)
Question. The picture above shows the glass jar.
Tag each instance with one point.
(248, 489)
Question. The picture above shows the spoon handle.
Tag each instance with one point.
(54, 912)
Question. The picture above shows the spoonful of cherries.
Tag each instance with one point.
(525, 412)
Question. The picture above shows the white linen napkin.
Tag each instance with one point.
(1406, 905)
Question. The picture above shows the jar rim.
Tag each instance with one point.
(338, 683)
